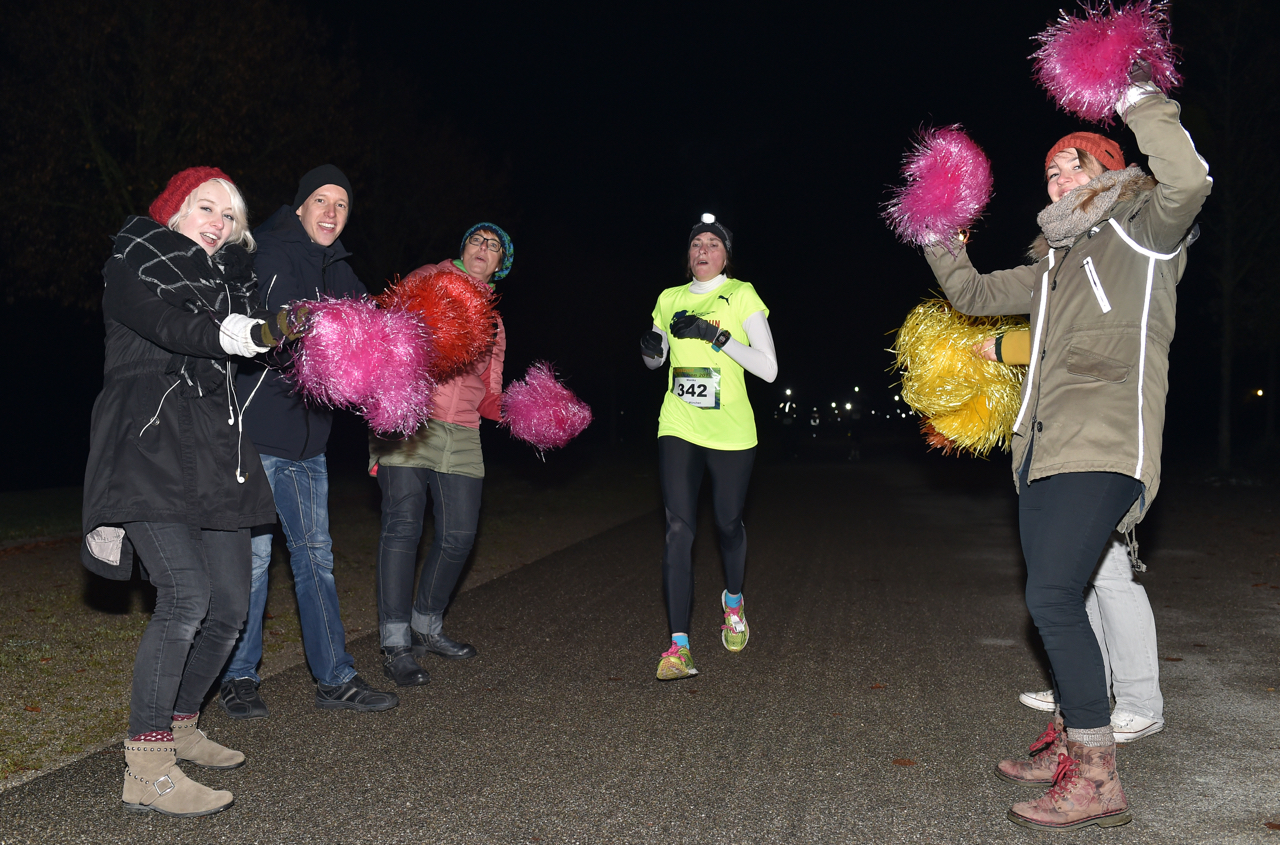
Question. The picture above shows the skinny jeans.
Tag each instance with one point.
(1065, 521)
(455, 503)
(681, 465)
(202, 596)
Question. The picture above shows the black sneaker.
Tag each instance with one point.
(355, 694)
(240, 700)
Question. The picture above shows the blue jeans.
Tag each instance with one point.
(456, 507)
(202, 592)
(301, 490)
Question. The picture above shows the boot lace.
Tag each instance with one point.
(1046, 740)
(1064, 778)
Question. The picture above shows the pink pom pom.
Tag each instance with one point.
(543, 412)
(948, 185)
(332, 365)
(376, 362)
(402, 398)
(1084, 63)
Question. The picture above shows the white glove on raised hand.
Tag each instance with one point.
(236, 335)
(1140, 86)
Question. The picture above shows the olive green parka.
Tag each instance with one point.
(1102, 314)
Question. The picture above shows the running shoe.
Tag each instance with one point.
(1043, 700)
(735, 632)
(676, 663)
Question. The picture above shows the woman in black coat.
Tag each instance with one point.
(169, 474)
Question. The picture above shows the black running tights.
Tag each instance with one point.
(680, 469)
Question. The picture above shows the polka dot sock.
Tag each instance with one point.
(153, 736)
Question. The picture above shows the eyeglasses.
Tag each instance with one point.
(488, 243)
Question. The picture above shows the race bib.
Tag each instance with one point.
(699, 386)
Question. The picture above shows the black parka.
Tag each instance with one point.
(290, 268)
(162, 450)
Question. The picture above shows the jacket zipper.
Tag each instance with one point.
(1096, 284)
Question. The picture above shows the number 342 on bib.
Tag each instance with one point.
(699, 386)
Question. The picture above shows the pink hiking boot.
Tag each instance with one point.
(1086, 790)
(1043, 764)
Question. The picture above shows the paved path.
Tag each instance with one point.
(889, 641)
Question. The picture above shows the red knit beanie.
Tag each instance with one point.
(180, 186)
(1105, 150)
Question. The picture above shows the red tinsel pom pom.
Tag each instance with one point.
(457, 310)
(936, 439)
(1084, 63)
(543, 412)
(947, 187)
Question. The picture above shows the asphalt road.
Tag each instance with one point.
(889, 642)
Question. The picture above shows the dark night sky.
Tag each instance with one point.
(621, 127)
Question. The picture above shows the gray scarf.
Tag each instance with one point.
(1063, 221)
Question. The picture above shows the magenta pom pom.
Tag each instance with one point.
(1084, 63)
(948, 185)
(373, 361)
(543, 412)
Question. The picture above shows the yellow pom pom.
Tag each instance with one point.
(971, 402)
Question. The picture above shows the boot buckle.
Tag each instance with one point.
(160, 793)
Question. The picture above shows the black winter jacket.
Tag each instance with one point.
(290, 267)
(160, 451)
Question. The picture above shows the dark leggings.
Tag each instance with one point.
(680, 469)
(1065, 521)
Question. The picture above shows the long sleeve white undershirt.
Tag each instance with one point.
(757, 356)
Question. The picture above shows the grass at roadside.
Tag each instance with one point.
(30, 514)
(67, 641)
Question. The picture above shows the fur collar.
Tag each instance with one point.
(1112, 189)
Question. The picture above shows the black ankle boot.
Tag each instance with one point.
(440, 644)
(398, 665)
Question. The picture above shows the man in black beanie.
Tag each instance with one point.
(299, 258)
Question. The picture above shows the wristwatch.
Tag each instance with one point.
(721, 340)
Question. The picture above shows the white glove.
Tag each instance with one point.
(236, 335)
(1132, 95)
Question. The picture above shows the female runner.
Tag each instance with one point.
(1086, 456)
(706, 423)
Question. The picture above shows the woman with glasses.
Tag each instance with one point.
(715, 329)
(442, 459)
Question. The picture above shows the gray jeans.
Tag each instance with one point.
(1126, 630)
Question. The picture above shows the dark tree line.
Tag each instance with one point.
(1231, 106)
(101, 103)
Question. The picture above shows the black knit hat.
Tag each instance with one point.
(720, 230)
(325, 174)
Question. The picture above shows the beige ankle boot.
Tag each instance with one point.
(1039, 770)
(153, 781)
(191, 744)
(1085, 791)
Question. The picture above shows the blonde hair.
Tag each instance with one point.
(240, 233)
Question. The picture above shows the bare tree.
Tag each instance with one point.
(1231, 49)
